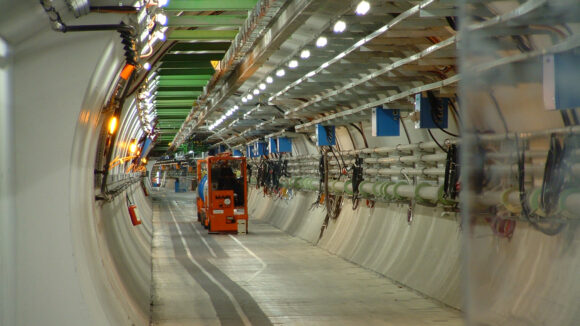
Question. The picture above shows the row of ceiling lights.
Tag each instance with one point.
(154, 22)
(340, 26)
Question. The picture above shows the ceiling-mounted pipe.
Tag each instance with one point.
(114, 9)
(78, 7)
(93, 28)
(59, 25)
(127, 31)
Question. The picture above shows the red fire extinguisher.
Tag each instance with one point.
(132, 212)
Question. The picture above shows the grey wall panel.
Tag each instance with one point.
(79, 262)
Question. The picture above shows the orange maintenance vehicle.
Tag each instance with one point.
(222, 201)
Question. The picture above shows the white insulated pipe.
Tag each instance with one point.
(406, 171)
(568, 204)
(381, 189)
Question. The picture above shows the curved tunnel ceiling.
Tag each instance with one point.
(300, 80)
(396, 50)
(199, 34)
(278, 77)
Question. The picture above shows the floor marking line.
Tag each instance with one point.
(211, 278)
(202, 239)
(264, 265)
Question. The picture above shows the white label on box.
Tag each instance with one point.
(239, 211)
(218, 211)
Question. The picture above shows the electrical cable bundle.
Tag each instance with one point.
(451, 183)
(269, 173)
(437, 106)
(322, 173)
(357, 178)
(550, 182)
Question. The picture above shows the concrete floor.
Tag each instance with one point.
(267, 278)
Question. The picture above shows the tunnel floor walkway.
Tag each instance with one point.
(267, 278)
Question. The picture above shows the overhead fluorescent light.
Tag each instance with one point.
(293, 64)
(161, 18)
(362, 8)
(339, 26)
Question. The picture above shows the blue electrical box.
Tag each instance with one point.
(249, 151)
(284, 145)
(385, 122)
(272, 145)
(237, 153)
(423, 107)
(325, 135)
(221, 148)
(561, 81)
(260, 148)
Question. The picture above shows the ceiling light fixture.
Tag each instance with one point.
(262, 86)
(161, 18)
(321, 42)
(113, 124)
(160, 35)
(144, 35)
(280, 73)
(250, 97)
(293, 64)
(244, 100)
(133, 146)
(256, 91)
(147, 66)
(305, 54)
(269, 80)
(362, 8)
(162, 3)
(339, 26)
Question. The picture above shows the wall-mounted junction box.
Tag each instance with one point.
(561, 81)
(272, 145)
(284, 145)
(426, 114)
(325, 135)
(385, 122)
(260, 148)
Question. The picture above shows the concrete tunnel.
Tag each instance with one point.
(412, 162)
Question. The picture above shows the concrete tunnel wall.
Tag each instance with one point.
(424, 255)
(528, 279)
(79, 262)
(531, 278)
